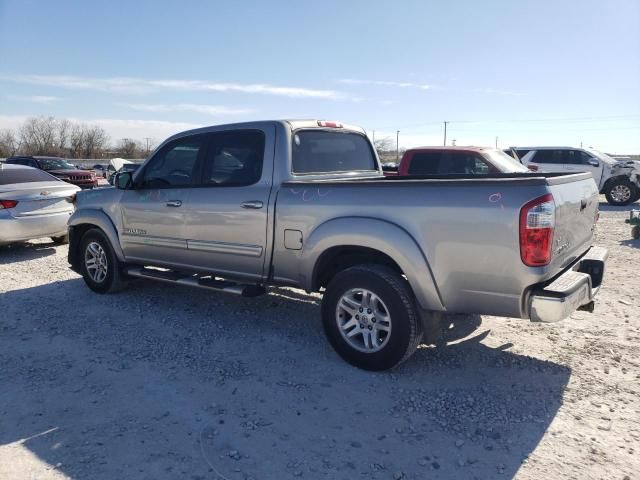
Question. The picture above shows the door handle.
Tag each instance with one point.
(253, 204)
(174, 203)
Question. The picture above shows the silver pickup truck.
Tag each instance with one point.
(236, 208)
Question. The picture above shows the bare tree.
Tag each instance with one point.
(8, 143)
(76, 140)
(38, 135)
(62, 136)
(384, 145)
(129, 148)
(95, 139)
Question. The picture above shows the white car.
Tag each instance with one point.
(619, 180)
(33, 204)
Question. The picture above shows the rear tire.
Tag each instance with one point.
(99, 264)
(621, 192)
(388, 328)
(61, 240)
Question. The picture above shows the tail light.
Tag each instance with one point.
(537, 222)
(7, 204)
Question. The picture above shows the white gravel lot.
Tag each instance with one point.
(163, 382)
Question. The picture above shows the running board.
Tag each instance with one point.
(209, 283)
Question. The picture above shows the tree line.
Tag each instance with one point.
(50, 136)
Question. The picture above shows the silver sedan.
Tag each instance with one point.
(33, 204)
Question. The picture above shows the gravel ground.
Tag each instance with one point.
(163, 382)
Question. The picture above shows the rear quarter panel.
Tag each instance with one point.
(466, 231)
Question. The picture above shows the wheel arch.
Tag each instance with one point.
(614, 179)
(344, 242)
(82, 221)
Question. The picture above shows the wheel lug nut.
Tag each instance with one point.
(357, 317)
(361, 326)
(370, 327)
(373, 319)
(361, 309)
(368, 310)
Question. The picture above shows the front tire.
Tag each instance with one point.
(621, 192)
(370, 317)
(99, 264)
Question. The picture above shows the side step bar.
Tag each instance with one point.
(209, 283)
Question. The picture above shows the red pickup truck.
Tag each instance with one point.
(452, 160)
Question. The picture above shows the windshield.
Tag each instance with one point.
(321, 151)
(602, 156)
(55, 164)
(505, 163)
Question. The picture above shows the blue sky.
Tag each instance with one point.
(542, 72)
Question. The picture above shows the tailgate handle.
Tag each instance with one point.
(583, 204)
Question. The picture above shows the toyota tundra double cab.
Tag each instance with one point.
(237, 208)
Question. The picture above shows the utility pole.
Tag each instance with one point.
(373, 140)
(147, 139)
(496, 142)
(445, 134)
(397, 146)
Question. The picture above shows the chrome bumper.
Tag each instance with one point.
(575, 289)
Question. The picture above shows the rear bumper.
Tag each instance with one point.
(17, 229)
(574, 289)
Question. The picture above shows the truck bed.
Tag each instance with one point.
(466, 226)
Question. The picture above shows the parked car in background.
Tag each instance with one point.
(618, 180)
(57, 167)
(100, 170)
(456, 160)
(301, 203)
(127, 167)
(115, 164)
(33, 204)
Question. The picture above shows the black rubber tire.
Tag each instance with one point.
(622, 181)
(61, 240)
(394, 291)
(113, 281)
(635, 232)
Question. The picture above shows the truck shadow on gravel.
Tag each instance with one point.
(165, 382)
(22, 252)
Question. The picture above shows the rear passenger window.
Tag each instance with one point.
(548, 156)
(24, 175)
(426, 163)
(234, 158)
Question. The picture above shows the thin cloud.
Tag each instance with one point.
(424, 86)
(41, 99)
(131, 85)
(385, 83)
(190, 107)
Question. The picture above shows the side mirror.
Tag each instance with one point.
(123, 180)
(593, 162)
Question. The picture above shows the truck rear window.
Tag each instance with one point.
(320, 151)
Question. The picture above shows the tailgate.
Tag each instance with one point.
(577, 199)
